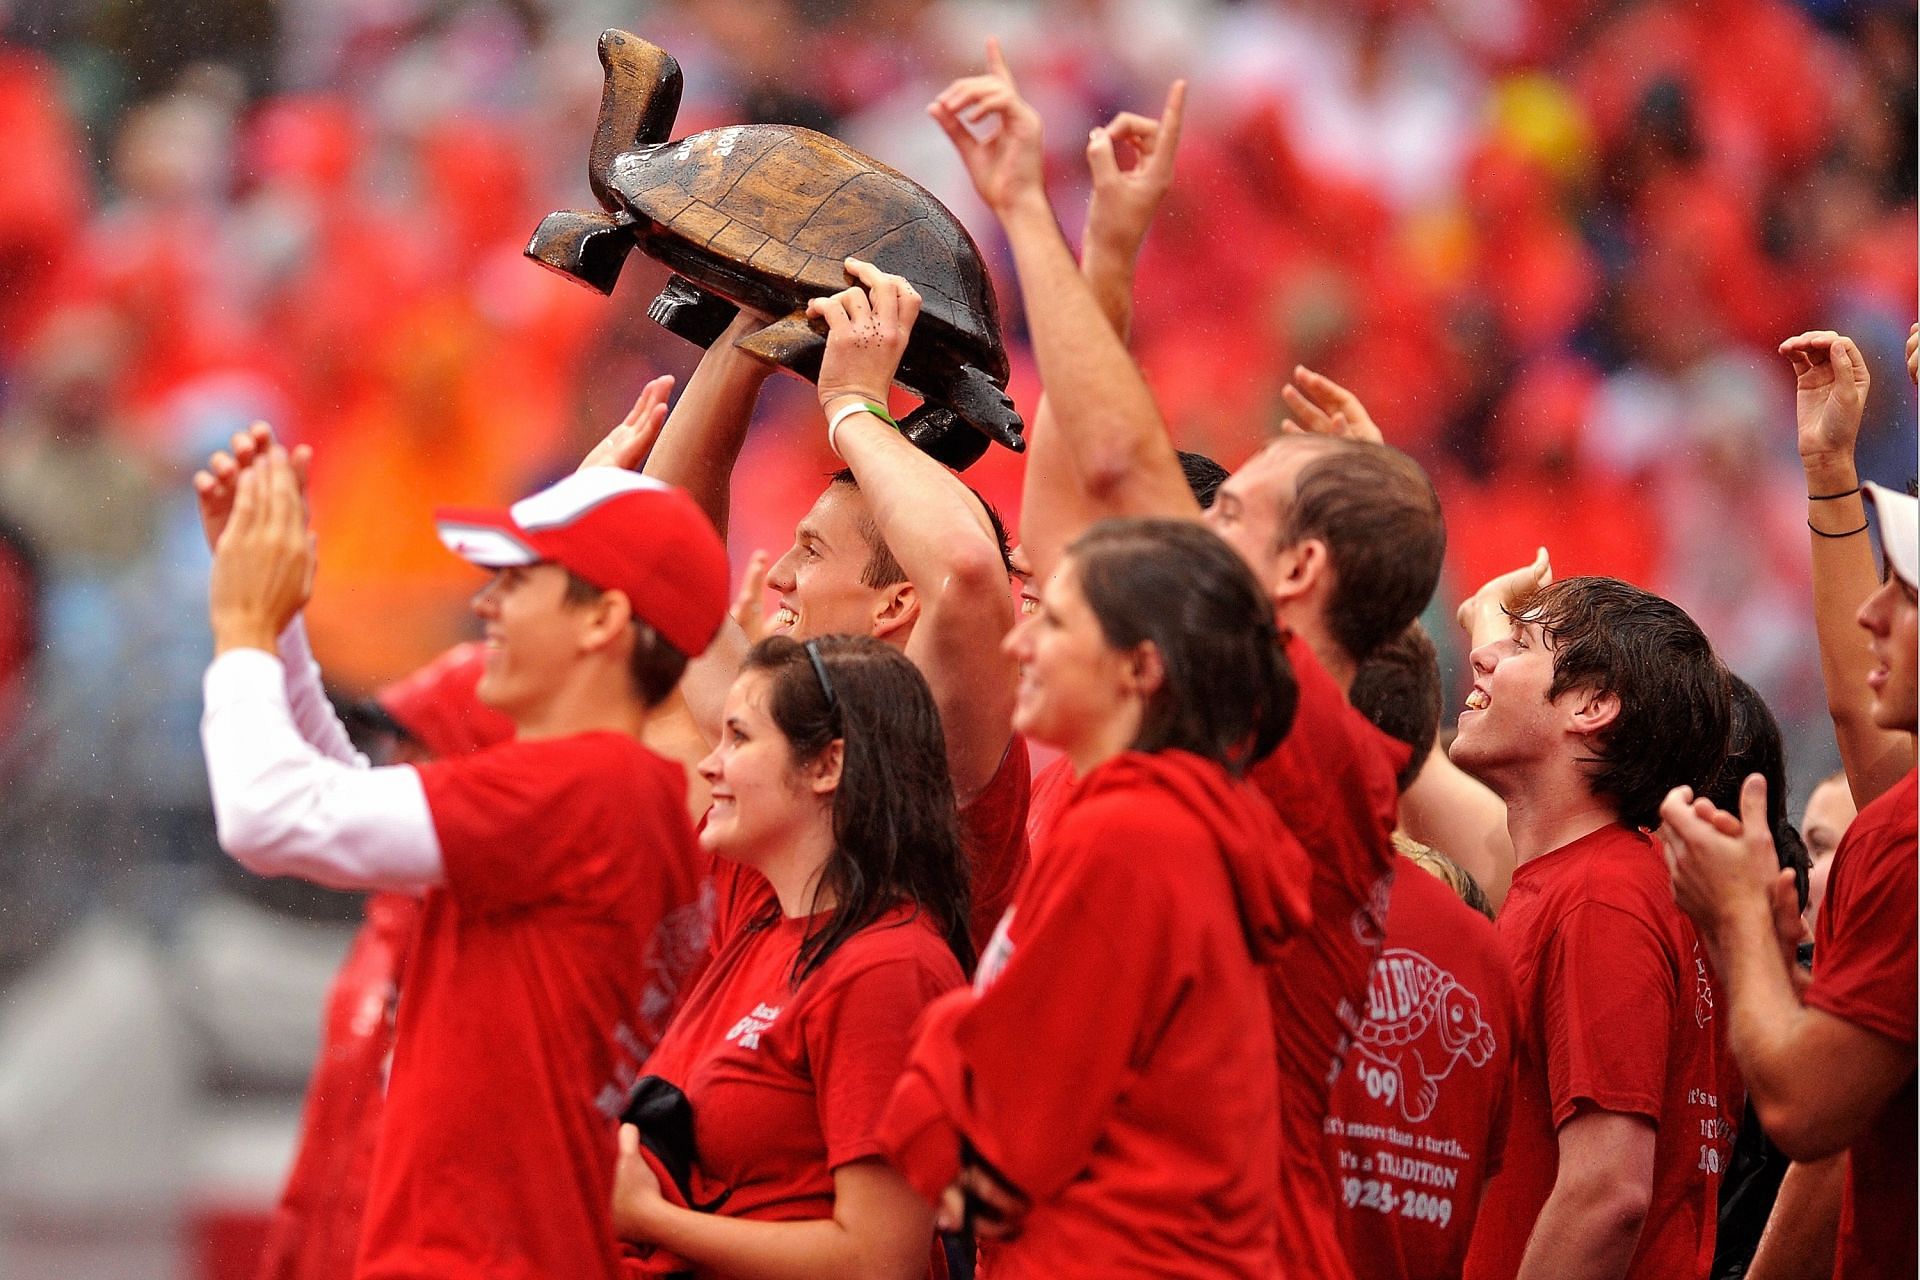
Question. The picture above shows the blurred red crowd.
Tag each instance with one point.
(1551, 243)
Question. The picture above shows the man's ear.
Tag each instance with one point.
(823, 771)
(898, 607)
(605, 621)
(1301, 570)
(1593, 711)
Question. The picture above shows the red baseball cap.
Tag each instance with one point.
(619, 530)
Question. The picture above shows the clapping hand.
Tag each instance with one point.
(264, 559)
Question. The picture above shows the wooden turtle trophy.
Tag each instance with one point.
(763, 215)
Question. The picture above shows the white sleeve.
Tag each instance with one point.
(313, 713)
(283, 808)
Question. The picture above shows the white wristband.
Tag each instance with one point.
(844, 412)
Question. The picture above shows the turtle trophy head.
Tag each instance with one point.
(637, 109)
(637, 105)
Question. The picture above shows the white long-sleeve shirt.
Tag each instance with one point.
(290, 794)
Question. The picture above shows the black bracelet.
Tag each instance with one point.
(1822, 533)
(1831, 497)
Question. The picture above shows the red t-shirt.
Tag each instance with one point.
(316, 1230)
(1616, 1014)
(538, 984)
(1050, 787)
(1333, 782)
(1113, 1059)
(993, 827)
(788, 1085)
(1863, 971)
(1419, 1113)
(993, 831)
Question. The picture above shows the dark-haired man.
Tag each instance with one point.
(1589, 702)
(551, 865)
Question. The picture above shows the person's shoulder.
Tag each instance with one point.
(1888, 822)
(1615, 867)
(904, 939)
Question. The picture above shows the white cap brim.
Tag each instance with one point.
(488, 546)
(1898, 516)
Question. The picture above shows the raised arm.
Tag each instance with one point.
(1131, 164)
(927, 518)
(696, 447)
(281, 807)
(1830, 397)
(1100, 403)
(703, 436)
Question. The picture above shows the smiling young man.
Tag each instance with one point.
(896, 547)
(1590, 701)
(555, 868)
(1834, 1073)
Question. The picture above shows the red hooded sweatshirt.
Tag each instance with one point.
(1114, 1060)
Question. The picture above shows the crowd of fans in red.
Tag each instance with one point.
(1550, 243)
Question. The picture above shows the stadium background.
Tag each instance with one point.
(1551, 243)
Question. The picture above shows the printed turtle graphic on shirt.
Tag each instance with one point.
(1420, 1023)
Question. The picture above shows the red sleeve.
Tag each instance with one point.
(1608, 988)
(1039, 1075)
(857, 1036)
(532, 823)
(1863, 956)
(993, 827)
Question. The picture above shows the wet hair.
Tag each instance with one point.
(1380, 518)
(881, 569)
(1229, 692)
(1204, 476)
(896, 828)
(1398, 689)
(1612, 638)
(1445, 870)
(654, 665)
(1754, 745)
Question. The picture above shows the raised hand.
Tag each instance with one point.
(216, 484)
(1131, 160)
(1506, 594)
(867, 330)
(1830, 395)
(749, 603)
(631, 440)
(1323, 407)
(263, 563)
(1007, 165)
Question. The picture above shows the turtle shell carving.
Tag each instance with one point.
(764, 216)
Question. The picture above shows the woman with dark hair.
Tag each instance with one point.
(1111, 1075)
(753, 1144)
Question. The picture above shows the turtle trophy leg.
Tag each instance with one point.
(944, 436)
(986, 406)
(588, 247)
(790, 342)
(684, 308)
